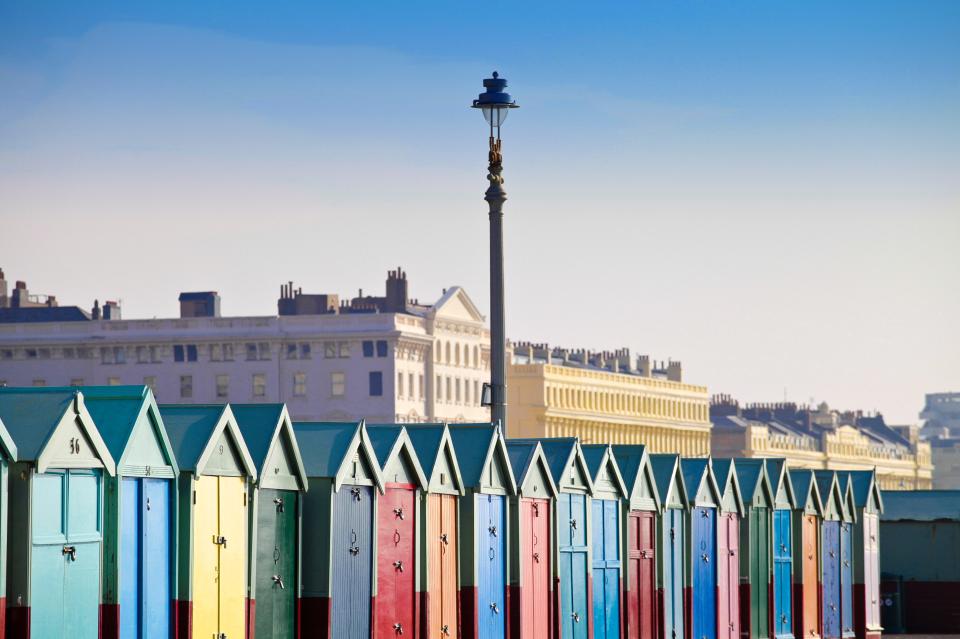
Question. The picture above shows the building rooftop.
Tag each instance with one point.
(616, 361)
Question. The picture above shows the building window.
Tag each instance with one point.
(344, 348)
(178, 352)
(338, 384)
(39, 381)
(439, 350)
(216, 352)
(228, 352)
(6, 353)
(368, 348)
(223, 386)
(466, 390)
(458, 384)
(113, 381)
(259, 385)
(304, 350)
(264, 350)
(376, 384)
(476, 391)
(381, 348)
(410, 385)
(291, 351)
(439, 388)
(143, 356)
(44, 353)
(151, 382)
(448, 359)
(186, 386)
(251, 352)
(76, 381)
(31, 353)
(399, 384)
(191, 352)
(299, 384)
(85, 352)
(329, 350)
(448, 391)
(456, 352)
(420, 387)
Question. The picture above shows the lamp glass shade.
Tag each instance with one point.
(495, 115)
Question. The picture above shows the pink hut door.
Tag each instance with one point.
(728, 577)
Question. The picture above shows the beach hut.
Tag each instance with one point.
(215, 472)
(139, 559)
(866, 551)
(728, 549)
(572, 533)
(398, 532)
(701, 591)
(784, 503)
(830, 553)
(639, 531)
(8, 455)
(607, 506)
(847, 559)
(755, 548)
(55, 513)
(671, 542)
(806, 554)
(339, 510)
(274, 525)
(531, 552)
(484, 529)
(441, 539)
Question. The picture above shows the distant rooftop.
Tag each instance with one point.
(616, 361)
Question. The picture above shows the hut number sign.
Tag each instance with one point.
(74, 445)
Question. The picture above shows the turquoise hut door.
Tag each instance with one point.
(145, 586)
(65, 585)
(572, 532)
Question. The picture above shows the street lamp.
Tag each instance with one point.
(495, 103)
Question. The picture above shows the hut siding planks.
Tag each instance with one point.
(351, 563)
(606, 568)
(782, 575)
(441, 543)
(703, 595)
(806, 578)
(673, 558)
(396, 563)
(534, 595)
(491, 565)
(642, 575)
(846, 580)
(276, 575)
(831, 580)
(728, 576)
(573, 567)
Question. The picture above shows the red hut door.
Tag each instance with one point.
(809, 619)
(728, 579)
(641, 575)
(396, 597)
(535, 564)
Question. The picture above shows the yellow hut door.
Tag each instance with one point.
(219, 567)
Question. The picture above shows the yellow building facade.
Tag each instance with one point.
(605, 398)
(823, 438)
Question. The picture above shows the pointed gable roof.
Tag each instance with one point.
(563, 453)
(525, 456)
(780, 479)
(725, 472)
(670, 483)
(390, 441)
(328, 449)
(117, 410)
(477, 446)
(435, 450)
(865, 488)
(194, 430)
(457, 304)
(698, 477)
(33, 416)
(264, 427)
(636, 469)
(754, 482)
(806, 491)
(830, 493)
(600, 460)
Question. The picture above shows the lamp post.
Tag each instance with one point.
(495, 103)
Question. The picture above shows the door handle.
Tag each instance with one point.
(444, 540)
(356, 493)
(398, 565)
(72, 551)
(492, 530)
(705, 557)
(576, 617)
(536, 557)
(398, 628)
(573, 524)
(495, 608)
(398, 512)
(220, 541)
(278, 580)
(279, 502)
(445, 629)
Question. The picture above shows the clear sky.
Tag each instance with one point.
(767, 191)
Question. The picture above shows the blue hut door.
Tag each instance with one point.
(704, 595)
(491, 568)
(831, 579)
(572, 533)
(782, 574)
(351, 559)
(672, 557)
(145, 585)
(606, 569)
(846, 580)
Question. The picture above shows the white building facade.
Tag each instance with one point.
(426, 364)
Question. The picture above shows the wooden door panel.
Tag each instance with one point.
(811, 577)
(396, 563)
(233, 555)
(130, 553)
(157, 559)
(205, 558)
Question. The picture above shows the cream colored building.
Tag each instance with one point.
(605, 397)
(823, 438)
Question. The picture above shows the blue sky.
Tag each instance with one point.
(765, 190)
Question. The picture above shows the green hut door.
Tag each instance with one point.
(759, 529)
(276, 564)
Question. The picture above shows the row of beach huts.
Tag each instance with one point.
(123, 518)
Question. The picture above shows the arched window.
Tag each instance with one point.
(476, 357)
(456, 350)
(439, 350)
(449, 359)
